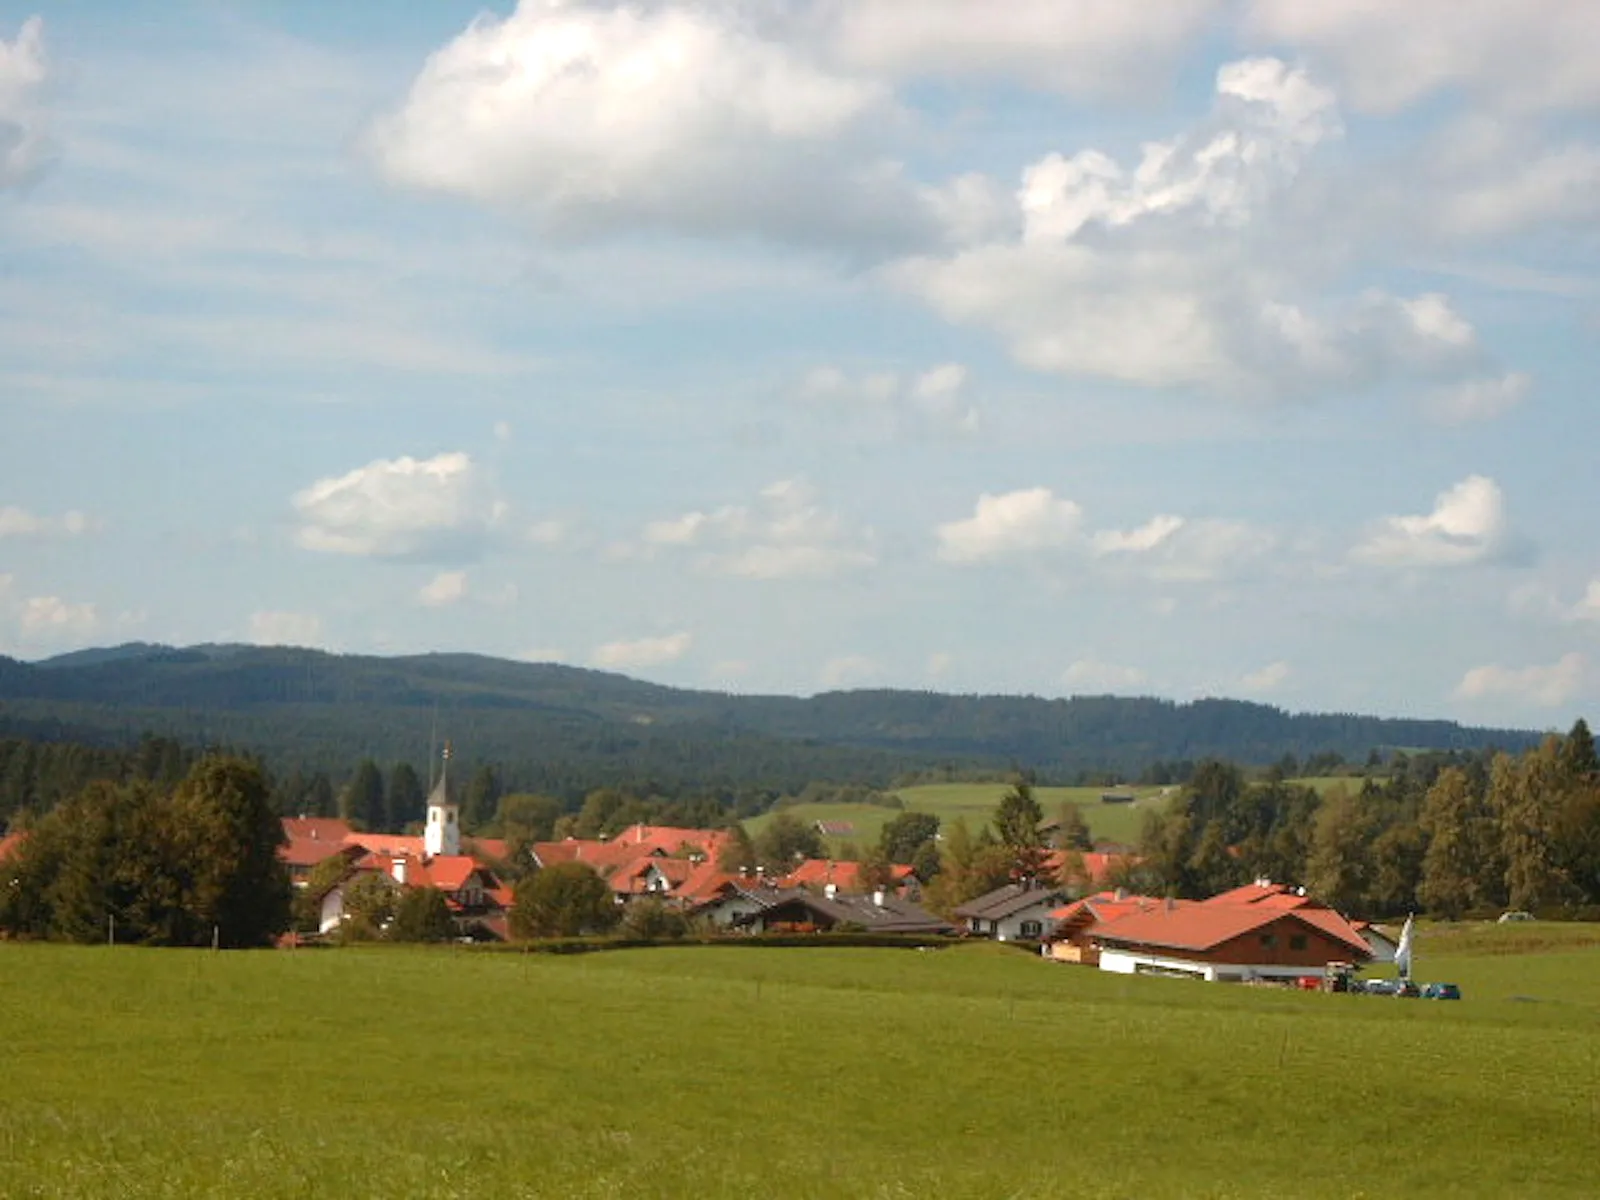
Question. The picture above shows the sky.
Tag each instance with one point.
(1232, 348)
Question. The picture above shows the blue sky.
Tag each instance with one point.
(1221, 347)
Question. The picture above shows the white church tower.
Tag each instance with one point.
(443, 834)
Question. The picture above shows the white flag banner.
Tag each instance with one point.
(1402, 954)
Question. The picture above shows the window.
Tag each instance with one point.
(1297, 941)
(1032, 929)
(1269, 940)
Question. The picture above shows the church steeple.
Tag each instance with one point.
(443, 832)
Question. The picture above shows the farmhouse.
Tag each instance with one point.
(1260, 931)
(798, 910)
(1017, 911)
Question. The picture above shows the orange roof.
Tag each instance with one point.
(387, 843)
(10, 844)
(1204, 926)
(308, 851)
(485, 847)
(447, 872)
(571, 850)
(818, 872)
(1255, 893)
(322, 829)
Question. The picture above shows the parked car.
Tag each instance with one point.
(1507, 917)
(1441, 991)
(1408, 990)
(1382, 987)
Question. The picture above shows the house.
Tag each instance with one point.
(836, 829)
(845, 876)
(1383, 946)
(311, 841)
(1226, 941)
(798, 910)
(479, 903)
(1017, 911)
(1075, 925)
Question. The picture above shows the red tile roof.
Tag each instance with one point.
(819, 872)
(308, 852)
(322, 829)
(387, 843)
(10, 844)
(1205, 925)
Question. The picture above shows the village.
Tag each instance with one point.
(1262, 932)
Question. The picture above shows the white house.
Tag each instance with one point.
(1016, 912)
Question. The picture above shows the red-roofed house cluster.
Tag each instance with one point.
(1259, 932)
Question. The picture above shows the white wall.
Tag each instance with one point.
(1128, 962)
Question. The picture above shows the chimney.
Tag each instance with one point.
(397, 867)
(877, 898)
(1120, 894)
(831, 890)
(1172, 904)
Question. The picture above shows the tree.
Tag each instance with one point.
(1016, 823)
(903, 836)
(362, 802)
(1525, 796)
(1212, 867)
(421, 915)
(1338, 870)
(786, 840)
(1454, 862)
(482, 801)
(1578, 759)
(651, 919)
(368, 907)
(738, 852)
(407, 800)
(874, 871)
(226, 822)
(563, 900)
(1074, 830)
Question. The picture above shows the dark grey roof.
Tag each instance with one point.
(1012, 898)
(894, 915)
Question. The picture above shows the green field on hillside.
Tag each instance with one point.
(975, 802)
(974, 1071)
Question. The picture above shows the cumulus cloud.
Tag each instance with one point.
(24, 147)
(888, 404)
(1267, 679)
(1520, 54)
(1191, 267)
(1547, 686)
(444, 589)
(1089, 675)
(19, 522)
(590, 118)
(786, 534)
(434, 508)
(846, 669)
(1588, 608)
(50, 619)
(1468, 525)
(1478, 399)
(278, 628)
(1080, 47)
(643, 652)
(1168, 548)
(1002, 526)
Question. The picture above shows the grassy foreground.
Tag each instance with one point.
(968, 1072)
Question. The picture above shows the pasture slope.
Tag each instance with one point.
(974, 1071)
(975, 803)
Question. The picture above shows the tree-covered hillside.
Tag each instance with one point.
(565, 729)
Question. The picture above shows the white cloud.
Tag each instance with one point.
(1089, 675)
(1478, 399)
(1268, 678)
(1145, 538)
(786, 534)
(848, 669)
(51, 619)
(1546, 686)
(887, 405)
(435, 508)
(1020, 522)
(643, 652)
(1193, 267)
(444, 589)
(939, 664)
(589, 119)
(1080, 47)
(1178, 550)
(23, 71)
(1467, 525)
(286, 629)
(548, 532)
(1588, 608)
(1523, 54)
(19, 522)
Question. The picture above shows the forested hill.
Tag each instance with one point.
(583, 727)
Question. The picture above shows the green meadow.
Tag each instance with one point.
(972, 1071)
(975, 802)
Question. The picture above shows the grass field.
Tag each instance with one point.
(974, 1071)
(976, 803)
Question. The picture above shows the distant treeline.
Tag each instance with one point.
(565, 731)
(1449, 834)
